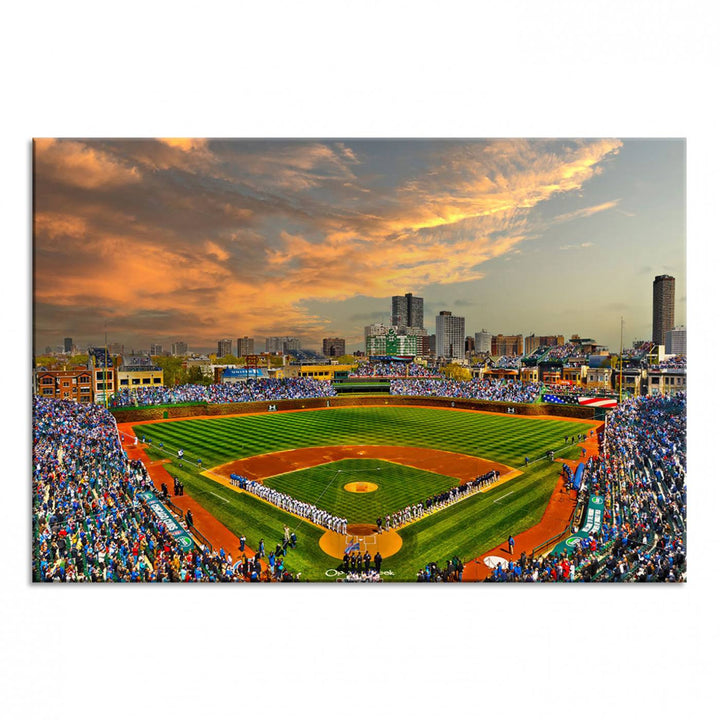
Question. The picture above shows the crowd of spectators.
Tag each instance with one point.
(677, 362)
(500, 390)
(263, 389)
(638, 352)
(508, 362)
(582, 391)
(393, 369)
(90, 523)
(536, 354)
(432, 572)
(563, 352)
(640, 473)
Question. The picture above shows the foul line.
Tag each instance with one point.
(218, 496)
(504, 496)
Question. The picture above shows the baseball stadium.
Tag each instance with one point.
(413, 480)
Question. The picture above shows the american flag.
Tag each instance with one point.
(352, 547)
(598, 402)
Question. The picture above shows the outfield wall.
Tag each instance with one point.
(171, 411)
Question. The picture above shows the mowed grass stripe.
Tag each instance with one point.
(398, 486)
(467, 529)
(245, 514)
(475, 525)
(507, 440)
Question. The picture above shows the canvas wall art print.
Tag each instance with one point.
(359, 361)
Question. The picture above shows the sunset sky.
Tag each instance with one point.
(160, 240)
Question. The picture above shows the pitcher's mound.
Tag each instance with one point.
(361, 529)
(360, 487)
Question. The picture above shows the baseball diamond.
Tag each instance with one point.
(410, 453)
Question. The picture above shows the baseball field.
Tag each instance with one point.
(362, 463)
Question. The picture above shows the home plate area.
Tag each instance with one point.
(361, 538)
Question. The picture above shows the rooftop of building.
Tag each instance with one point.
(140, 363)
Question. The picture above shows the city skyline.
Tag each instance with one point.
(160, 240)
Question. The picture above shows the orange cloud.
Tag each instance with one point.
(185, 144)
(130, 272)
(442, 226)
(257, 239)
(586, 212)
(78, 164)
(57, 225)
(214, 250)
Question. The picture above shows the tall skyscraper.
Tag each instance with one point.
(179, 348)
(245, 346)
(676, 341)
(483, 341)
(68, 345)
(274, 344)
(333, 347)
(281, 344)
(156, 349)
(224, 347)
(407, 311)
(663, 307)
(450, 335)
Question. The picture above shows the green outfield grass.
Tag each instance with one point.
(466, 529)
(475, 525)
(243, 513)
(398, 486)
(496, 437)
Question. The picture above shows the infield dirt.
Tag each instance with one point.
(442, 462)
(456, 465)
